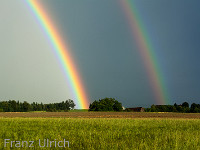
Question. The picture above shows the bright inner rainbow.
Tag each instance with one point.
(63, 52)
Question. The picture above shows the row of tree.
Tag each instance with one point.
(16, 106)
(106, 104)
(184, 108)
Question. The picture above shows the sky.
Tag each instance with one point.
(103, 48)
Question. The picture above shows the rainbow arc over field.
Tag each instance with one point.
(62, 51)
(146, 51)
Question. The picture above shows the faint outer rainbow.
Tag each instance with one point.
(146, 51)
(62, 51)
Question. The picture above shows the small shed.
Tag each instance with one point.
(136, 109)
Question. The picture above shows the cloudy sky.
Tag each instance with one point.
(103, 48)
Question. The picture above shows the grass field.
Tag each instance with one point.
(79, 110)
(103, 133)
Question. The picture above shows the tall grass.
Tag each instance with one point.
(100, 134)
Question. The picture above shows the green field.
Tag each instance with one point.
(78, 110)
(103, 133)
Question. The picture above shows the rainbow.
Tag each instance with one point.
(62, 51)
(146, 51)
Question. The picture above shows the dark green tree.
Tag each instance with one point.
(195, 108)
(185, 104)
(106, 104)
(69, 104)
(26, 106)
(117, 106)
(94, 106)
(153, 108)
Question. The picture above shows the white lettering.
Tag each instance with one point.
(65, 142)
(44, 143)
(31, 143)
(59, 144)
(24, 142)
(51, 142)
(17, 144)
(5, 142)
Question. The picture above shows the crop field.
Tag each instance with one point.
(99, 132)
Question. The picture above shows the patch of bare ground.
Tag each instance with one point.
(99, 115)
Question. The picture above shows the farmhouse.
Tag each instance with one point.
(136, 109)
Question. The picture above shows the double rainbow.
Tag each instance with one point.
(62, 51)
(146, 51)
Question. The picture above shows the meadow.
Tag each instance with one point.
(103, 133)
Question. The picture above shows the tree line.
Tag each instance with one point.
(183, 108)
(16, 106)
(106, 104)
